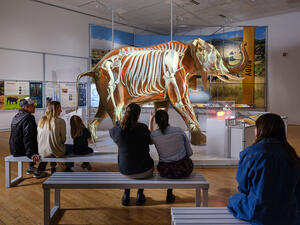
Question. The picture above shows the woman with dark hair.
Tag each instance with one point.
(173, 148)
(133, 139)
(268, 177)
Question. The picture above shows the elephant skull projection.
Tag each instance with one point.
(158, 74)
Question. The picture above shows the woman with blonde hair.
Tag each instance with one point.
(52, 134)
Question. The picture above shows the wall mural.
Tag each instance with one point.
(158, 74)
(226, 42)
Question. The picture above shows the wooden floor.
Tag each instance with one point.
(24, 204)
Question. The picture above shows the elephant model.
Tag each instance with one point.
(158, 74)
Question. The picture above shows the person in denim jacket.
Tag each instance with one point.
(268, 177)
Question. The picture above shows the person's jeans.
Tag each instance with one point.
(69, 150)
(41, 166)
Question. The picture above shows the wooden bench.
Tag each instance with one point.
(115, 180)
(93, 157)
(203, 215)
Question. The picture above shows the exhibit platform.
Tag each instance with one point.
(201, 157)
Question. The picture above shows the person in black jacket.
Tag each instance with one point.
(133, 141)
(23, 137)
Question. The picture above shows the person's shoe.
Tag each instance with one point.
(170, 198)
(53, 170)
(30, 170)
(140, 199)
(68, 169)
(86, 166)
(40, 174)
(125, 200)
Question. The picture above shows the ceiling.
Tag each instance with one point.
(154, 15)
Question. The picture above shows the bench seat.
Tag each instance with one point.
(92, 157)
(115, 180)
(203, 215)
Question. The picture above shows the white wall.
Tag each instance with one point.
(283, 72)
(32, 26)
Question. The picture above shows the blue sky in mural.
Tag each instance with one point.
(260, 33)
(140, 40)
(120, 37)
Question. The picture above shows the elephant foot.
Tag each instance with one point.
(94, 138)
(198, 138)
(93, 134)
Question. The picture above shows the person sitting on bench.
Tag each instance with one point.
(52, 135)
(133, 141)
(173, 148)
(81, 138)
(23, 137)
(268, 177)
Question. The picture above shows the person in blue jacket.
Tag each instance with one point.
(268, 177)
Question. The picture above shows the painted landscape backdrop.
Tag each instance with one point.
(227, 44)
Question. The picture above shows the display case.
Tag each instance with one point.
(229, 131)
(242, 131)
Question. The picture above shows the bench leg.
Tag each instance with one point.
(7, 174)
(198, 197)
(57, 197)
(46, 206)
(20, 169)
(205, 197)
(15, 181)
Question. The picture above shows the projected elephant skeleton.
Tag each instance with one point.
(158, 74)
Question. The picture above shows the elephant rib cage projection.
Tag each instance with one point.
(158, 74)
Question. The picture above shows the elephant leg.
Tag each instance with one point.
(93, 124)
(197, 137)
(115, 115)
(183, 106)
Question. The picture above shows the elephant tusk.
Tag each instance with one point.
(224, 80)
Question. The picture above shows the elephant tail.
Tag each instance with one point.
(90, 73)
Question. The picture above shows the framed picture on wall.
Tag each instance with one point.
(82, 94)
(68, 94)
(36, 93)
(14, 91)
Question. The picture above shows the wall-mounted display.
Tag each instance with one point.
(36, 93)
(68, 94)
(1, 94)
(82, 94)
(14, 91)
